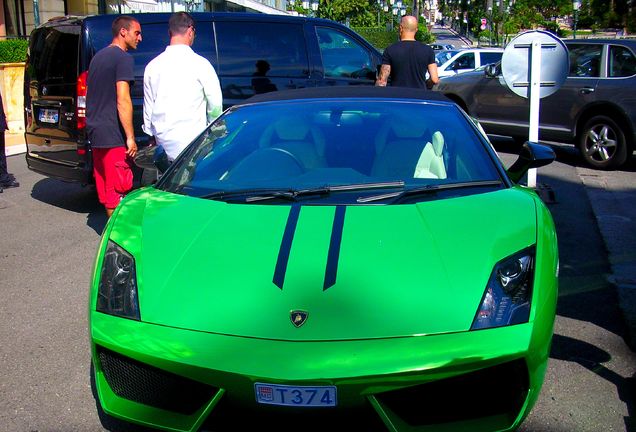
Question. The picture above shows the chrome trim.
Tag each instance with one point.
(36, 156)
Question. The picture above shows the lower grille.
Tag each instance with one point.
(148, 385)
(229, 415)
(496, 391)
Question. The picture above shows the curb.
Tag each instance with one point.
(464, 39)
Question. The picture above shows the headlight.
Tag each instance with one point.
(508, 293)
(117, 293)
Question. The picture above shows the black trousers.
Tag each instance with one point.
(4, 173)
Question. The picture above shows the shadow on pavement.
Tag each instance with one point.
(592, 358)
(72, 197)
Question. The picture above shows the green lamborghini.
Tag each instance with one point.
(327, 257)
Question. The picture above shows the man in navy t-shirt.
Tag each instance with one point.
(109, 113)
(408, 60)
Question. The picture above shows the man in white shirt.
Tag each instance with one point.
(182, 93)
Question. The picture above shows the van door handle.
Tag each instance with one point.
(586, 90)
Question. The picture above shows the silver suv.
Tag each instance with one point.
(594, 109)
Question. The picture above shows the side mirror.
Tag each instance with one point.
(532, 155)
(492, 70)
(144, 157)
(153, 159)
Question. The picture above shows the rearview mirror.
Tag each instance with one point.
(532, 155)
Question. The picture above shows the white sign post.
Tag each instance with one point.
(535, 65)
(535, 102)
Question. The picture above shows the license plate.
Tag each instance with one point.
(48, 115)
(299, 396)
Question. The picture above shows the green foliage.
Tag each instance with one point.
(358, 12)
(423, 35)
(381, 38)
(13, 50)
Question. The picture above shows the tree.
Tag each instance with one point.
(359, 12)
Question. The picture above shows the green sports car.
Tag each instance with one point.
(323, 257)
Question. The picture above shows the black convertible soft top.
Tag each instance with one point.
(357, 91)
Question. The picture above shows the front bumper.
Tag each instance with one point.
(483, 380)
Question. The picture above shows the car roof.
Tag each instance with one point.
(627, 42)
(146, 18)
(350, 92)
(153, 17)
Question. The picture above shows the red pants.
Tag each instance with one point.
(113, 176)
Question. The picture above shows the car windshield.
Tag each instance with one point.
(442, 57)
(331, 151)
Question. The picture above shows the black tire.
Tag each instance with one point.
(602, 143)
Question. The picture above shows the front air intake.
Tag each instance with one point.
(148, 385)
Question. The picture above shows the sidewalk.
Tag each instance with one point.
(612, 196)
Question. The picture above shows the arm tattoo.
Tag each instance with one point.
(385, 71)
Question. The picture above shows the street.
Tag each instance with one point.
(50, 231)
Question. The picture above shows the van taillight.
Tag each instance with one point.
(80, 109)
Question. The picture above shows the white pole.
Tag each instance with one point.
(535, 87)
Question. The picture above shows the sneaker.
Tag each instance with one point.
(9, 184)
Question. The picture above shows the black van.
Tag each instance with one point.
(252, 53)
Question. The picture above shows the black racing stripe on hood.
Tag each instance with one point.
(285, 246)
(334, 247)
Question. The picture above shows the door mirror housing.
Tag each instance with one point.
(492, 70)
(532, 155)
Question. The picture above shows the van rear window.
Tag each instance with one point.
(53, 54)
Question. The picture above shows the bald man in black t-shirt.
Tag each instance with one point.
(408, 60)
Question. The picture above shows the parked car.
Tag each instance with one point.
(351, 255)
(595, 108)
(300, 52)
(453, 62)
(441, 47)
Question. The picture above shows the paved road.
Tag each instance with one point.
(49, 232)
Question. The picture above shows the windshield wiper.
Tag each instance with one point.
(296, 194)
(429, 189)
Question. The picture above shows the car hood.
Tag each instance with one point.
(366, 271)
(470, 76)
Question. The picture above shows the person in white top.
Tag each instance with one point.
(182, 93)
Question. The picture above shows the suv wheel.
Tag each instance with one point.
(602, 143)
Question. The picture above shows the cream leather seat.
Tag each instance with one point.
(404, 149)
(431, 161)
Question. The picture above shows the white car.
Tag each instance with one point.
(453, 62)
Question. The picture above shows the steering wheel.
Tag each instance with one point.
(288, 154)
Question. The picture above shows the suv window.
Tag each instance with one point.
(585, 60)
(464, 61)
(341, 55)
(279, 46)
(53, 54)
(490, 57)
(622, 62)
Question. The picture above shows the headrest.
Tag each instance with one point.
(438, 143)
(290, 130)
(403, 128)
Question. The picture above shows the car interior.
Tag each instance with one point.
(311, 148)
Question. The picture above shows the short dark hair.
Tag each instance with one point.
(179, 23)
(121, 22)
